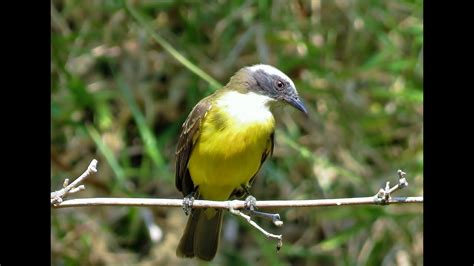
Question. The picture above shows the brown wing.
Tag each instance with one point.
(266, 153)
(187, 139)
(269, 151)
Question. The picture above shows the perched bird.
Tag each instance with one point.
(223, 143)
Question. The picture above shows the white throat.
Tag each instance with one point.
(246, 107)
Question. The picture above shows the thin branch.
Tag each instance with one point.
(235, 204)
(58, 196)
(383, 197)
(254, 224)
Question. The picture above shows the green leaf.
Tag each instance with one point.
(169, 48)
(108, 154)
(149, 140)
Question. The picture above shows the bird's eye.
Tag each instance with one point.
(279, 84)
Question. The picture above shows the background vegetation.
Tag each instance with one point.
(119, 95)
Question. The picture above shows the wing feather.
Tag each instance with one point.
(189, 134)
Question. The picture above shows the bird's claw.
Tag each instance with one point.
(250, 203)
(188, 203)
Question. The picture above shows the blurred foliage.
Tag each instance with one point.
(124, 80)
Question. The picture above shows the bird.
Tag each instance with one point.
(223, 143)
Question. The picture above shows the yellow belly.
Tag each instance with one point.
(227, 154)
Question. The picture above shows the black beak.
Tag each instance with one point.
(297, 103)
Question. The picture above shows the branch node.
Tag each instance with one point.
(387, 191)
(402, 181)
(58, 200)
(93, 166)
(385, 194)
(59, 195)
(77, 189)
(276, 220)
(279, 245)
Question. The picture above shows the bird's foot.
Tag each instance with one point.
(251, 206)
(250, 203)
(188, 203)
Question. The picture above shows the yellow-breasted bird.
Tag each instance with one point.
(223, 143)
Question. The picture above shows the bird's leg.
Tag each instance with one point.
(188, 202)
(246, 190)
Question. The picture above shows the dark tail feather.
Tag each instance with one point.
(201, 235)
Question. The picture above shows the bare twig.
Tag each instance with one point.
(58, 196)
(254, 224)
(383, 197)
(235, 204)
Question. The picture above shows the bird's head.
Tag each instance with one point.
(269, 81)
